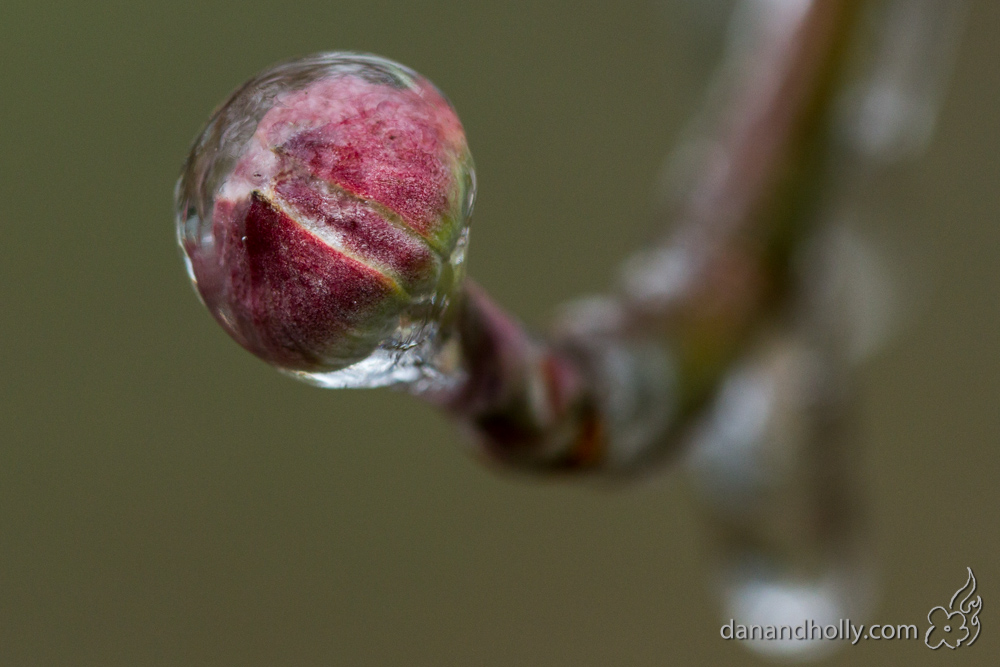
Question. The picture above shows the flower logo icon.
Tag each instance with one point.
(954, 626)
(947, 628)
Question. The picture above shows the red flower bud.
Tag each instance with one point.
(323, 212)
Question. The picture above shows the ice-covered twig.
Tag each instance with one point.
(621, 375)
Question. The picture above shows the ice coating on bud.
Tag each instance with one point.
(323, 214)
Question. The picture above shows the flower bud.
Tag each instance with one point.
(323, 215)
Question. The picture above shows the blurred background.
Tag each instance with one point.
(168, 499)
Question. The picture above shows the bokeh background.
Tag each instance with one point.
(167, 499)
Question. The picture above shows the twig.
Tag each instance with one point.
(621, 377)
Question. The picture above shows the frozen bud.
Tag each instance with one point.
(323, 213)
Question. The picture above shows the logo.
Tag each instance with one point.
(956, 626)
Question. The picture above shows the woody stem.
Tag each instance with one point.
(618, 381)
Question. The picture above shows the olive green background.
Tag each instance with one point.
(167, 499)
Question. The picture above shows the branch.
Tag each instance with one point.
(621, 377)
